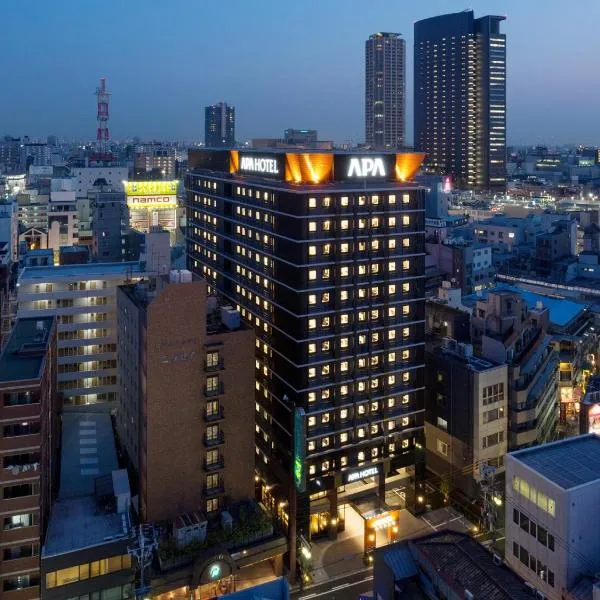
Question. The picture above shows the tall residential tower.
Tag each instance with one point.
(219, 125)
(460, 98)
(385, 85)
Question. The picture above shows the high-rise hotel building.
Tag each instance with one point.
(323, 254)
(460, 98)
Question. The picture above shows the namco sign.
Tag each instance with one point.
(152, 201)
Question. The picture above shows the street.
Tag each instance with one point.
(344, 588)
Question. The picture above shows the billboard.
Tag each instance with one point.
(363, 166)
(264, 164)
(151, 194)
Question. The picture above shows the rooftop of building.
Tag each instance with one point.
(81, 271)
(567, 463)
(561, 310)
(74, 250)
(462, 562)
(452, 349)
(88, 480)
(25, 352)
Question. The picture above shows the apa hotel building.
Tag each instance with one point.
(323, 254)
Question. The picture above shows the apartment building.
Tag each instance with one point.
(83, 299)
(507, 331)
(186, 380)
(28, 446)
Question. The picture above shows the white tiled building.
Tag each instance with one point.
(83, 297)
(552, 516)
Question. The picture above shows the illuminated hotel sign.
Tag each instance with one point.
(259, 165)
(366, 167)
(362, 474)
(266, 165)
(352, 167)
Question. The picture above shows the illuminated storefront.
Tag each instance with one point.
(152, 203)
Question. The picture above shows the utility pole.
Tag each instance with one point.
(488, 491)
(142, 550)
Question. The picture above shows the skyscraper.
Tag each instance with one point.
(385, 84)
(219, 125)
(460, 98)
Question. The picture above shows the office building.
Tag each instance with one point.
(28, 446)
(110, 221)
(385, 90)
(155, 162)
(83, 298)
(506, 330)
(178, 348)
(465, 415)
(63, 218)
(300, 137)
(85, 550)
(323, 254)
(552, 529)
(9, 227)
(460, 98)
(33, 209)
(35, 154)
(219, 125)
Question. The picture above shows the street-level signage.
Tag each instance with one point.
(362, 474)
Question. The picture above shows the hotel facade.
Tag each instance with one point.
(323, 254)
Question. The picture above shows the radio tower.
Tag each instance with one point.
(102, 136)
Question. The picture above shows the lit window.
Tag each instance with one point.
(312, 397)
(344, 247)
(343, 437)
(325, 297)
(391, 379)
(325, 346)
(391, 221)
(325, 442)
(343, 461)
(325, 417)
(312, 323)
(344, 295)
(312, 226)
(392, 199)
(392, 334)
(405, 397)
(406, 264)
(312, 421)
(392, 266)
(344, 413)
(312, 202)
(312, 299)
(312, 372)
(391, 243)
(325, 322)
(405, 354)
(405, 199)
(344, 366)
(325, 370)
(361, 456)
(312, 348)
(344, 200)
(406, 377)
(392, 289)
(405, 309)
(326, 248)
(406, 242)
(312, 250)
(344, 224)
(344, 342)
(326, 225)
(312, 274)
(361, 432)
(405, 288)
(344, 271)
(405, 220)
(312, 470)
(392, 311)
(311, 446)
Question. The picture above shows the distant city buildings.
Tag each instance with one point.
(156, 162)
(219, 125)
(385, 89)
(460, 98)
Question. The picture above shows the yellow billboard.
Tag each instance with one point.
(151, 188)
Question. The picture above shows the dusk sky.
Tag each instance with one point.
(280, 63)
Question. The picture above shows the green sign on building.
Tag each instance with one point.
(299, 450)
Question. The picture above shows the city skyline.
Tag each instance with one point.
(160, 83)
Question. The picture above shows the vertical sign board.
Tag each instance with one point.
(299, 450)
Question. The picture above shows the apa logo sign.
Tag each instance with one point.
(366, 167)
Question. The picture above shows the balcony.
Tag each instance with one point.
(215, 465)
(214, 490)
(209, 392)
(214, 416)
(214, 440)
(218, 366)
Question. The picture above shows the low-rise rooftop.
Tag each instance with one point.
(26, 350)
(90, 478)
(81, 271)
(567, 463)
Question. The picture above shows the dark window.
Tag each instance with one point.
(524, 523)
(551, 578)
(515, 516)
(18, 491)
(532, 528)
(532, 564)
(524, 556)
(25, 428)
(20, 582)
(19, 398)
(516, 549)
(542, 536)
(551, 542)
(20, 552)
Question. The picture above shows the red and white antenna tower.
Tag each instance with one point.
(103, 97)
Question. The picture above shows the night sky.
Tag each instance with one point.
(282, 63)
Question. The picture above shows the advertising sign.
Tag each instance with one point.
(151, 188)
(594, 419)
(152, 201)
(299, 450)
